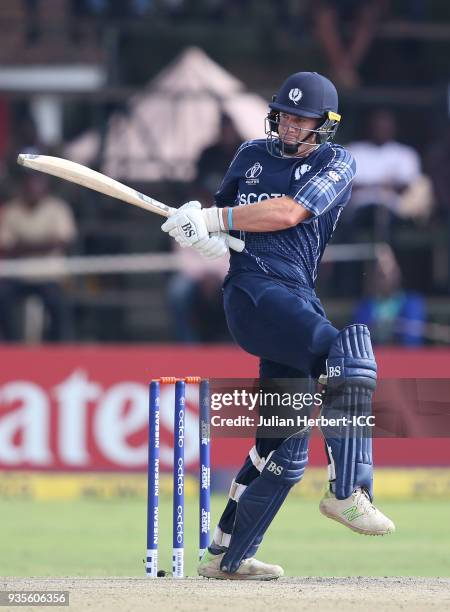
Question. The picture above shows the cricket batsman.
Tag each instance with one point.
(284, 195)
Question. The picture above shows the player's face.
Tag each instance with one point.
(293, 129)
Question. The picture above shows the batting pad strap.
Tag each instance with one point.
(258, 462)
(331, 465)
(323, 379)
(220, 538)
(236, 490)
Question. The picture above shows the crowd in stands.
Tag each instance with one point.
(389, 185)
(344, 29)
(35, 223)
(398, 189)
(392, 188)
(389, 189)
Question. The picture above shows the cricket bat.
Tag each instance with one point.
(82, 175)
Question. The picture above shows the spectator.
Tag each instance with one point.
(195, 299)
(437, 164)
(32, 27)
(100, 12)
(214, 161)
(35, 223)
(24, 136)
(345, 30)
(385, 170)
(394, 316)
(195, 292)
(116, 9)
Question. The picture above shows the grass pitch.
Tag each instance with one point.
(107, 538)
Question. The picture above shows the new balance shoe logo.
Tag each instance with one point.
(352, 513)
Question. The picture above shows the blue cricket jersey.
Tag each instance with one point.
(321, 182)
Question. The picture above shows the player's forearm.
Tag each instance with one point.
(267, 216)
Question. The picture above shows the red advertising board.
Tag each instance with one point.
(86, 408)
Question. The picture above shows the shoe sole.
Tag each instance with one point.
(218, 575)
(352, 527)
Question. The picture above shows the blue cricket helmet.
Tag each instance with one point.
(305, 94)
(308, 94)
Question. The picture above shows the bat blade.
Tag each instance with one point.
(82, 175)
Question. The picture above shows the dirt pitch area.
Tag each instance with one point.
(199, 594)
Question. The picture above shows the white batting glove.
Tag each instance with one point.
(213, 248)
(210, 248)
(174, 233)
(187, 225)
(191, 223)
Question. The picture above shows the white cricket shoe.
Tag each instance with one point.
(249, 569)
(357, 513)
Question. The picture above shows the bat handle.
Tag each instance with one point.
(236, 244)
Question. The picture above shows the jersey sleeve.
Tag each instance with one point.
(229, 187)
(327, 184)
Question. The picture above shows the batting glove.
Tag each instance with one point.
(191, 223)
(214, 247)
